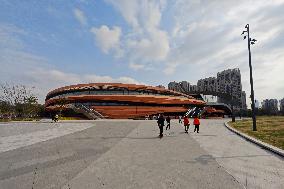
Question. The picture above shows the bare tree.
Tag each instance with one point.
(17, 100)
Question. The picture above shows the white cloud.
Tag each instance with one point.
(170, 68)
(46, 79)
(21, 67)
(147, 42)
(203, 38)
(80, 16)
(136, 66)
(154, 48)
(107, 38)
(140, 13)
(128, 9)
(7, 37)
(92, 78)
(196, 37)
(206, 38)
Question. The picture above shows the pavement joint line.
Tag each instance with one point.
(224, 168)
(240, 166)
(130, 135)
(67, 184)
(22, 140)
(261, 144)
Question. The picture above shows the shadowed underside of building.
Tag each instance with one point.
(117, 100)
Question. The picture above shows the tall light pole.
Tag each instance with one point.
(250, 42)
(232, 103)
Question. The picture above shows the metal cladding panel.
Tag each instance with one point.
(165, 101)
(147, 99)
(212, 110)
(115, 112)
(132, 87)
(135, 111)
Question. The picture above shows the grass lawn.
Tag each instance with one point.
(70, 118)
(270, 129)
(19, 119)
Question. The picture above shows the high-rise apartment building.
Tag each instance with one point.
(243, 101)
(161, 86)
(281, 102)
(193, 88)
(183, 87)
(207, 85)
(256, 104)
(174, 86)
(270, 106)
(227, 82)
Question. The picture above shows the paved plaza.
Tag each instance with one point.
(128, 154)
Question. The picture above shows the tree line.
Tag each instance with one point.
(19, 101)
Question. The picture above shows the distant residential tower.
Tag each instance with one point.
(227, 83)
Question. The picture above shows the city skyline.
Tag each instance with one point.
(55, 43)
(227, 84)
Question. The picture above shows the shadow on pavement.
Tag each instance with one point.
(205, 159)
(205, 135)
(155, 137)
(79, 155)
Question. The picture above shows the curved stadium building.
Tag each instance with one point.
(116, 100)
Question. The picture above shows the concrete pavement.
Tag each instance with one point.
(128, 154)
(52, 163)
(142, 160)
(251, 165)
(25, 134)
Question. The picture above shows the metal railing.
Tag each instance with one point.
(195, 111)
(89, 113)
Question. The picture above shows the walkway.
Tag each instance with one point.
(251, 165)
(128, 154)
(142, 160)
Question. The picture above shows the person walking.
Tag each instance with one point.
(161, 124)
(186, 124)
(168, 119)
(196, 122)
(56, 118)
(179, 119)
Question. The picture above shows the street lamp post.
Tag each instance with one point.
(251, 42)
(232, 104)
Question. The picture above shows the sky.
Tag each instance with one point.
(49, 44)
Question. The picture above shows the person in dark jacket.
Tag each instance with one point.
(161, 124)
(179, 119)
(168, 119)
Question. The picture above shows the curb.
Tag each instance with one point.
(264, 145)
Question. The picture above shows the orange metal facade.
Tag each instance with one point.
(135, 111)
(151, 101)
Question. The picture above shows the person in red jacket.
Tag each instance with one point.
(196, 122)
(186, 124)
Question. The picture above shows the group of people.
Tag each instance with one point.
(186, 123)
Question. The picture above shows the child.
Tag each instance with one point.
(196, 122)
(186, 124)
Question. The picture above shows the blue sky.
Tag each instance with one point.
(52, 43)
